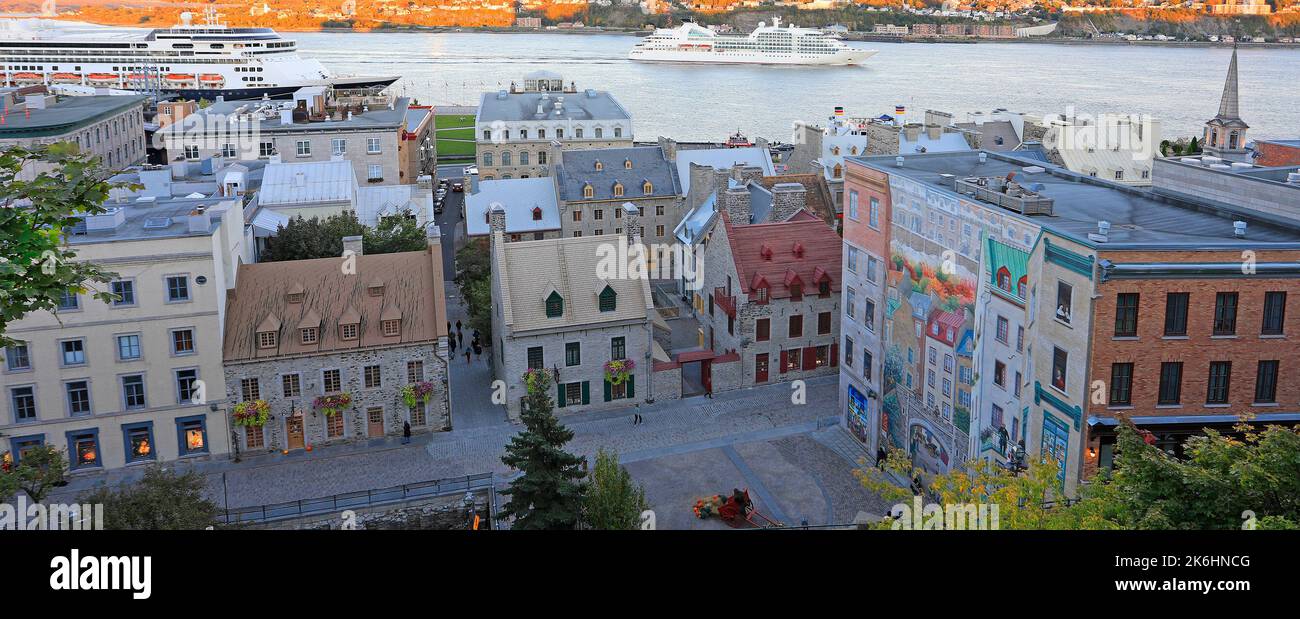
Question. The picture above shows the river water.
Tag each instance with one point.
(1180, 86)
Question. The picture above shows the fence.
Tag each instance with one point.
(362, 499)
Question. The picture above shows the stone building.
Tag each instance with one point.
(564, 305)
(519, 131)
(359, 328)
(529, 207)
(594, 184)
(110, 127)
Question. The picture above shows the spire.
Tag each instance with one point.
(1228, 109)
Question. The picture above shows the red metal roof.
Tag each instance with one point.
(821, 254)
(945, 325)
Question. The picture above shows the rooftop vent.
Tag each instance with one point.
(984, 157)
(1033, 169)
(898, 161)
(1102, 234)
(1239, 229)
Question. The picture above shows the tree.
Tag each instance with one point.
(613, 501)
(305, 239)
(162, 500)
(38, 266)
(395, 234)
(474, 277)
(39, 470)
(549, 493)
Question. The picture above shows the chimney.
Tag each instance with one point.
(701, 182)
(934, 131)
(912, 131)
(788, 199)
(200, 220)
(735, 201)
(669, 146)
(496, 218)
(557, 154)
(353, 244)
(632, 223)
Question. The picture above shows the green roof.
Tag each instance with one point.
(1015, 261)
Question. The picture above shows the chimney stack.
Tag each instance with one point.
(787, 199)
(200, 220)
(632, 223)
(496, 217)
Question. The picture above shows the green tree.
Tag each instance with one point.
(38, 266)
(395, 234)
(305, 239)
(613, 500)
(162, 500)
(474, 278)
(39, 470)
(549, 492)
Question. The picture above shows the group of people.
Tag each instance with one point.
(456, 339)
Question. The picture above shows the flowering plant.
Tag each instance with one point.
(618, 370)
(417, 392)
(331, 405)
(253, 413)
(535, 379)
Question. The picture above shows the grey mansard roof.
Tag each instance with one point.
(522, 106)
(578, 169)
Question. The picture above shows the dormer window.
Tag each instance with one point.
(824, 289)
(796, 291)
(391, 328)
(765, 252)
(618, 190)
(608, 299)
(647, 188)
(627, 164)
(309, 335)
(348, 331)
(554, 305)
(537, 213)
(1004, 279)
(266, 339)
(797, 249)
(295, 293)
(835, 150)
(599, 166)
(588, 191)
(762, 294)
(375, 289)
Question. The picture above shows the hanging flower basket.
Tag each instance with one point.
(252, 414)
(618, 371)
(416, 393)
(535, 379)
(331, 405)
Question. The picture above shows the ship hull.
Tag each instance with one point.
(844, 58)
(277, 92)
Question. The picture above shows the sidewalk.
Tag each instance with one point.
(471, 383)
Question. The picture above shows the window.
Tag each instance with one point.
(1225, 313)
(83, 448)
(762, 330)
(1020, 339)
(1171, 383)
(795, 327)
(1000, 374)
(374, 172)
(265, 149)
(853, 204)
(573, 393)
(872, 266)
(618, 190)
(1266, 382)
(78, 397)
(414, 371)
(124, 291)
(338, 147)
(848, 351)
(792, 358)
(291, 385)
(572, 353)
(308, 335)
(796, 291)
(1004, 330)
(1176, 314)
(69, 301)
(822, 356)
(824, 289)
(18, 357)
(1126, 314)
(1060, 363)
(133, 391)
(617, 348)
(1220, 375)
(391, 328)
(192, 435)
(1121, 383)
(1064, 302)
(183, 342)
(250, 389)
(823, 323)
(228, 151)
(266, 339)
(304, 148)
(554, 305)
(523, 158)
(23, 400)
(373, 376)
(1274, 313)
(139, 441)
(873, 216)
(535, 358)
(866, 364)
(178, 288)
(74, 352)
(348, 331)
(850, 301)
(600, 132)
(853, 259)
(191, 151)
(187, 386)
(659, 230)
(372, 146)
(332, 380)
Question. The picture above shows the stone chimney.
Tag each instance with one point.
(912, 131)
(735, 202)
(353, 244)
(788, 199)
(934, 131)
(669, 146)
(632, 223)
(557, 154)
(496, 218)
(747, 173)
(701, 181)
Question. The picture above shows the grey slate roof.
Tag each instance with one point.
(67, 115)
(648, 163)
(585, 105)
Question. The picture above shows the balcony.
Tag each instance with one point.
(1005, 193)
(726, 303)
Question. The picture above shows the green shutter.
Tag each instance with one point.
(608, 389)
(559, 401)
(631, 386)
(586, 392)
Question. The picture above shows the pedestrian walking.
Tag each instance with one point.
(478, 350)
(451, 345)
(406, 432)
(468, 352)
(457, 325)
(448, 326)
(460, 337)
(880, 458)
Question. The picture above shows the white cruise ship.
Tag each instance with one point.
(193, 61)
(773, 44)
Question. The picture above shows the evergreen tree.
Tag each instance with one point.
(163, 500)
(614, 501)
(549, 493)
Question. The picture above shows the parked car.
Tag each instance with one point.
(470, 170)
(458, 186)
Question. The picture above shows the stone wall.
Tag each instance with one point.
(595, 349)
(668, 383)
(727, 375)
(443, 513)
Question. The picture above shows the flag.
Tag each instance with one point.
(839, 111)
(898, 109)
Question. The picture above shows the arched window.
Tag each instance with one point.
(627, 164)
(1022, 285)
(599, 166)
(537, 213)
(618, 190)
(588, 191)
(647, 188)
(600, 133)
(853, 150)
(1004, 279)
(838, 170)
(505, 158)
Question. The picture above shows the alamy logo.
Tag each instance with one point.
(953, 516)
(92, 573)
(34, 516)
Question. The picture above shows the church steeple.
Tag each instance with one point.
(1225, 134)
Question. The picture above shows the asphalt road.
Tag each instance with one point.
(450, 221)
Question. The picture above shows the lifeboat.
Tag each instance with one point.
(20, 78)
(102, 77)
(179, 77)
(212, 80)
(65, 78)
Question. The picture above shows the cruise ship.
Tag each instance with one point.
(773, 44)
(193, 61)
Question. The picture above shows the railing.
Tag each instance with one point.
(361, 499)
(1016, 199)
